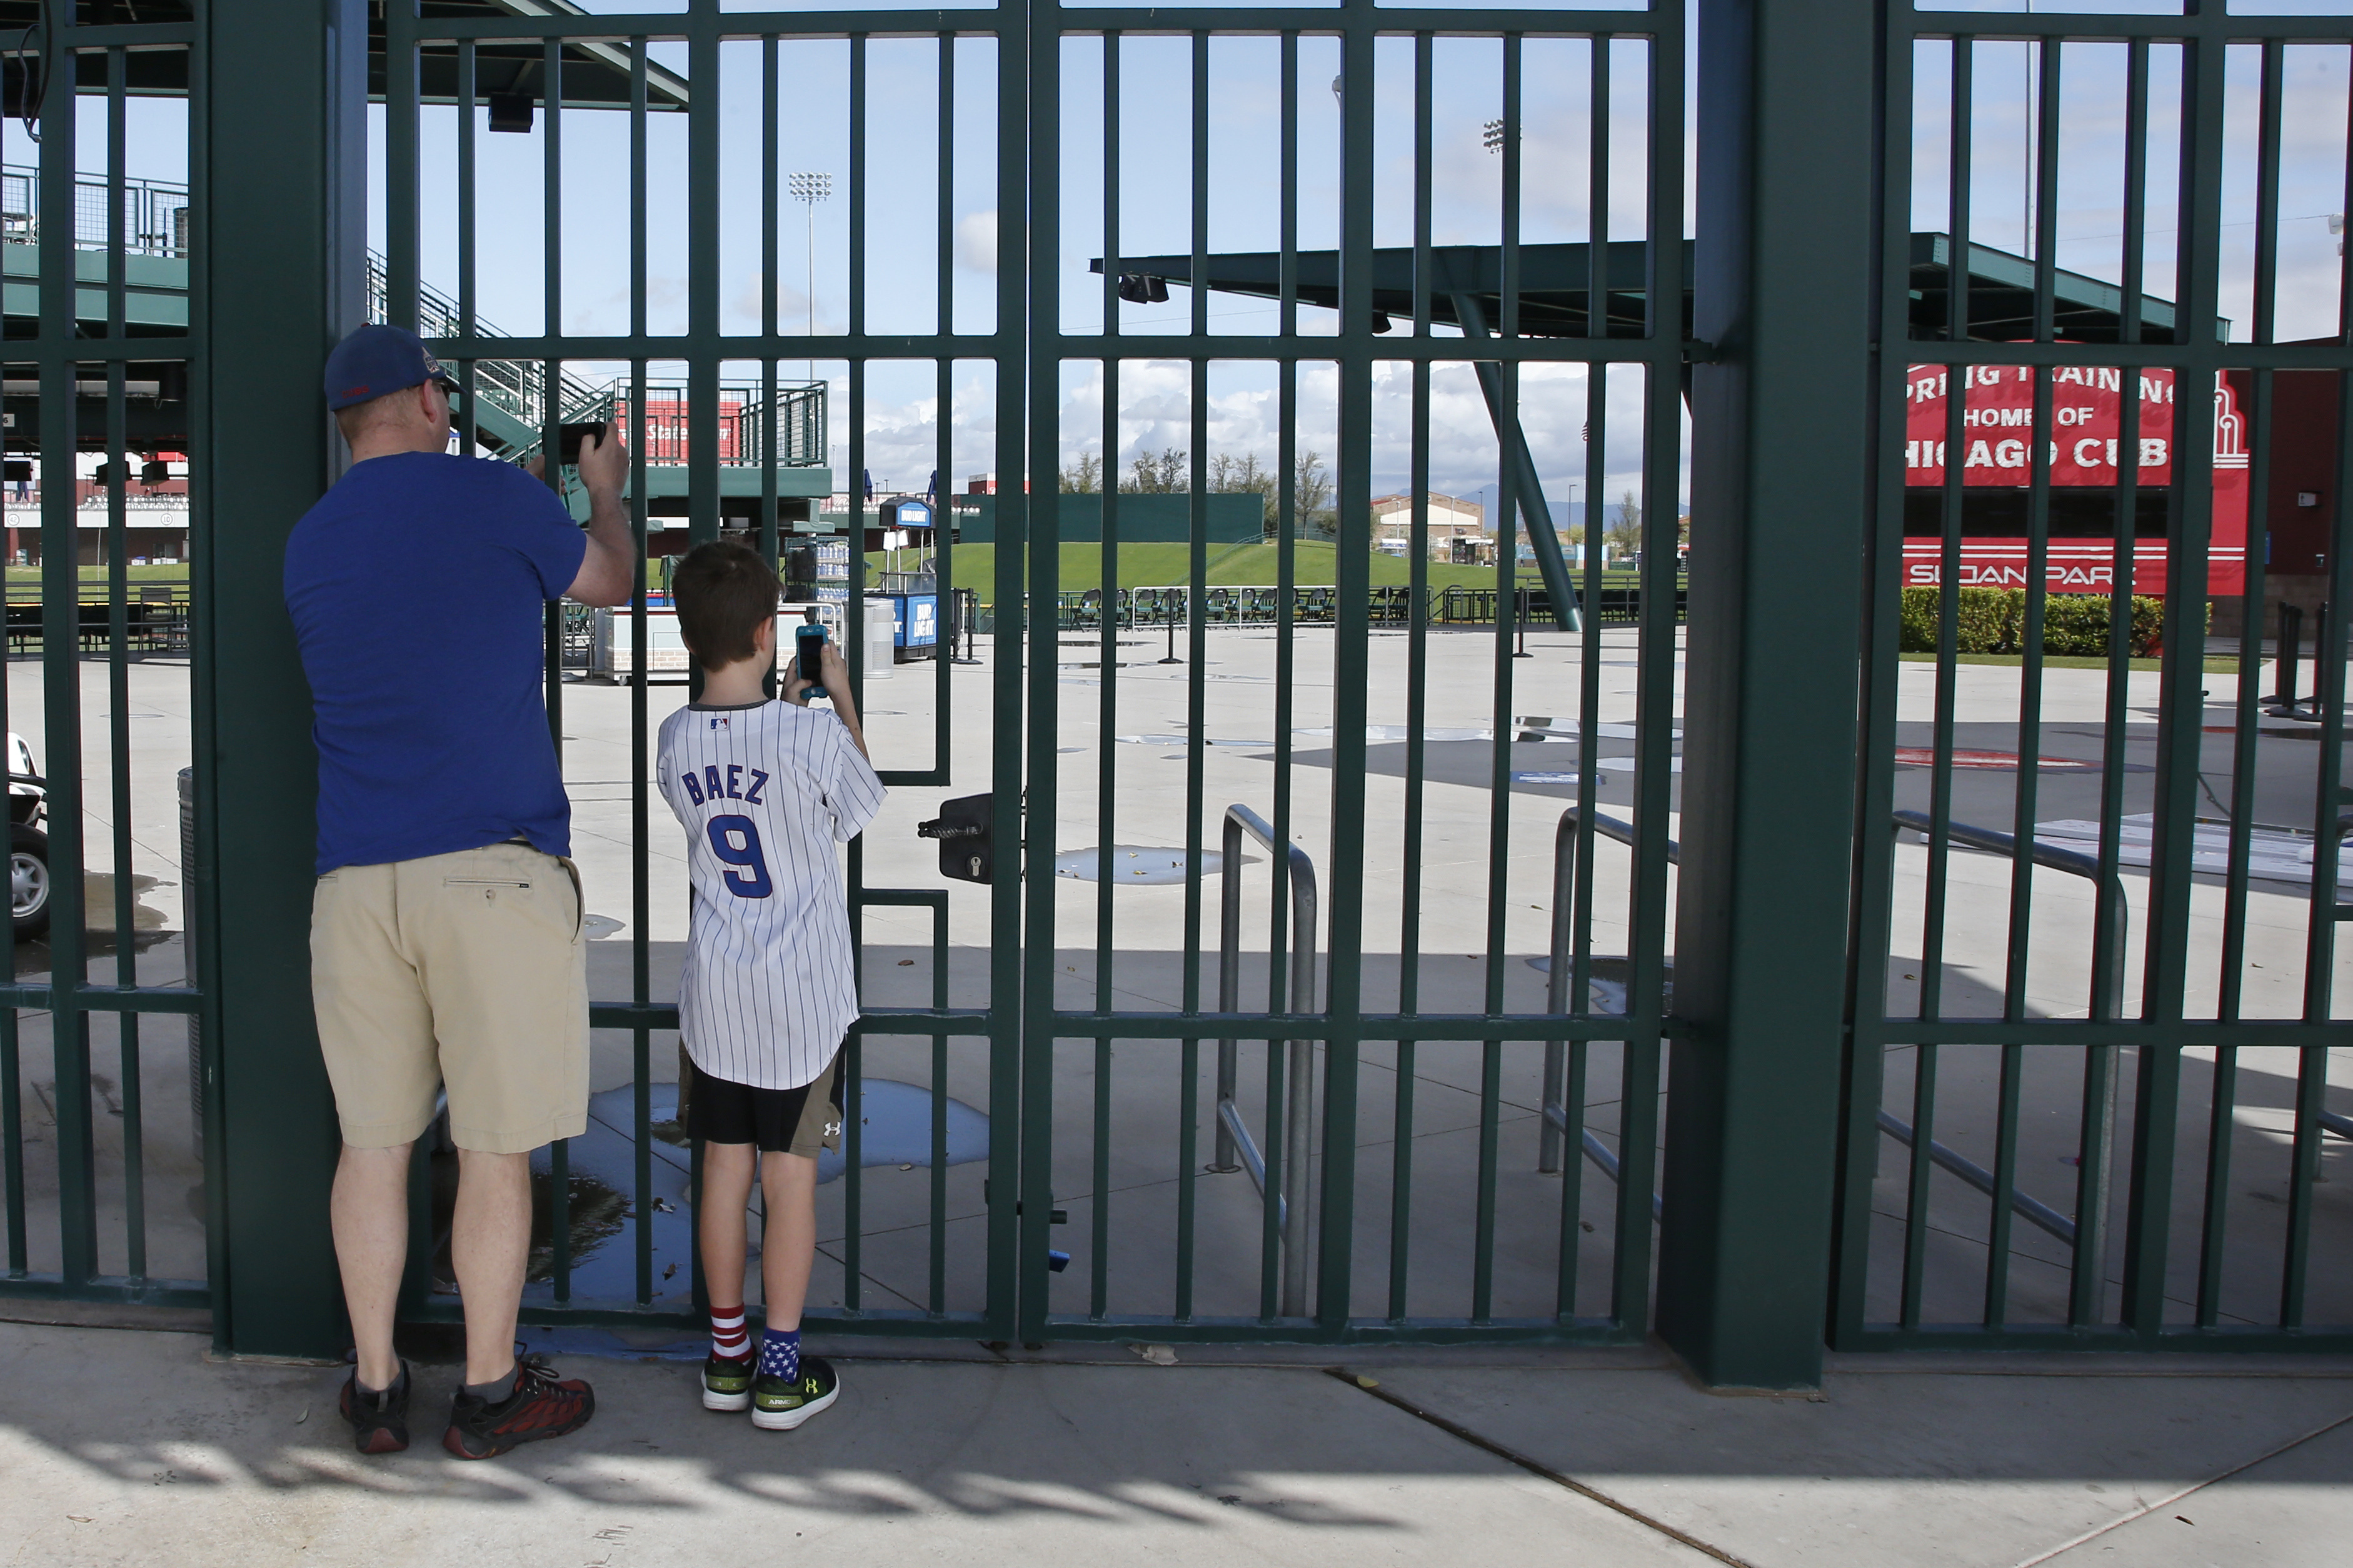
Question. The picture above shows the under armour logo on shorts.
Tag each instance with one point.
(833, 1129)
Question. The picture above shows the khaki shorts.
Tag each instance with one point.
(465, 970)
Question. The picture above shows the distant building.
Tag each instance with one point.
(1450, 520)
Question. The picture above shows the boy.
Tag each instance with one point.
(765, 790)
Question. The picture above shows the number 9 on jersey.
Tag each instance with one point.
(736, 839)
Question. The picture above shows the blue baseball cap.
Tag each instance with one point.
(375, 360)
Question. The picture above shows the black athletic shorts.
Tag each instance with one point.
(780, 1121)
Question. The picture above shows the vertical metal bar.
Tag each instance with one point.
(11, 1138)
(2097, 1120)
(1563, 1146)
(1030, 101)
(2320, 941)
(1099, 1281)
(936, 1291)
(1015, 1251)
(1107, 699)
(2251, 635)
(1499, 799)
(402, 184)
(1655, 685)
(1597, 428)
(2222, 1091)
(771, 426)
(1352, 497)
(2030, 718)
(943, 399)
(466, 221)
(62, 698)
(1417, 698)
(118, 555)
(1957, 381)
(853, 1054)
(11, 1103)
(2182, 702)
(1916, 1192)
(1275, 1159)
(1197, 544)
(640, 738)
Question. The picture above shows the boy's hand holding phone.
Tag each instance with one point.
(832, 673)
(833, 679)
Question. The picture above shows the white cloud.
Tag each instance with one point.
(976, 242)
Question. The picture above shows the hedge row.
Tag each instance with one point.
(1993, 620)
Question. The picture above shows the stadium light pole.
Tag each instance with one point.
(809, 189)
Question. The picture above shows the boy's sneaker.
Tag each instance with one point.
(727, 1385)
(380, 1420)
(542, 1405)
(780, 1404)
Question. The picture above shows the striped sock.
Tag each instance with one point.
(729, 1339)
(780, 1354)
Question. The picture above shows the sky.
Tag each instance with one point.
(901, 415)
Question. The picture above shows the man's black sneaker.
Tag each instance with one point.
(542, 1405)
(727, 1383)
(380, 1420)
(781, 1404)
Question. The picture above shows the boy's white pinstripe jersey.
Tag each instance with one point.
(767, 795)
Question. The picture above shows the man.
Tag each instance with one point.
(446, 929)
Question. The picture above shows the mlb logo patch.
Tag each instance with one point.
(719, 721)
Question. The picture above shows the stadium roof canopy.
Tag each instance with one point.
(1557, 285)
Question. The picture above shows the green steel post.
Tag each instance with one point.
(284, 241)
(1779, 503)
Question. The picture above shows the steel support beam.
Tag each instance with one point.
(279, 276)
(1787, 115)
(1527, 488)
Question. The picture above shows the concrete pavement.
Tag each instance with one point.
(130, 1448)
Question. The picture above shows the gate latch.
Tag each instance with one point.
(962, 827)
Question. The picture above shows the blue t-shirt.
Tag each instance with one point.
(418, 588)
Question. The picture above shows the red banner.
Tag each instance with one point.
(2087, 446)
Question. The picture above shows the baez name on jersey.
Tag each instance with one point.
(708, 787)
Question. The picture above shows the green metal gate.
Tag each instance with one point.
(2066, 1157)
(97, 1018)
(1430, 1097)
(1379, 1098)
(1050, 1156)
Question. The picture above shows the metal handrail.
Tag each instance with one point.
(1554, 1126)
(154, 213)
(2074, 863)
(1234, 1138)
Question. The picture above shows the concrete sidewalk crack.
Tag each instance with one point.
(2172, 1498)
(1513, 1455)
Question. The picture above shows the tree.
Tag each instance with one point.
(1625, 528)
(1229, 474)
(1084, 476)
(1310, 493)
(1166, 472)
